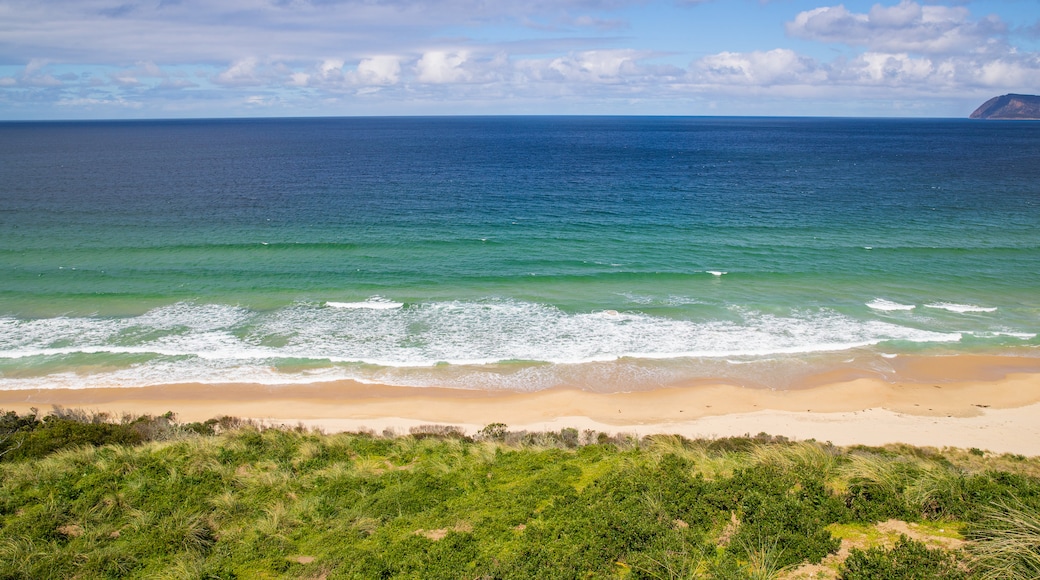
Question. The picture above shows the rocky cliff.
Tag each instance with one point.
(1009, 107)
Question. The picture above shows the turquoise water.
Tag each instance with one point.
(510, 253)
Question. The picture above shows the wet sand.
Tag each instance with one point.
(989, 402)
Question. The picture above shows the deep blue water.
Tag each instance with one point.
(514, 252)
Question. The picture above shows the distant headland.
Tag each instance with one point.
(1009, 107)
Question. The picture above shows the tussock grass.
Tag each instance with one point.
(887, 473)
(809, 456)
(1007, 542)
(883, 481)
(20, 553)
(705, 462)
(227, 505)
(933, 483)
(761, 561)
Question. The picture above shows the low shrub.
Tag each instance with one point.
(909, 559)
(30, 437)
(437, 432)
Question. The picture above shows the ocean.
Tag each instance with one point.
(511, 253)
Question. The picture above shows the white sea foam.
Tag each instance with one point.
(888, 305)
(181, 371)
(213, 343)
(682, 301)
(198, 317)
(960, 308)
(453, 332)
(373, 303)
(717, 273)
(637, 298)
(1018, 335)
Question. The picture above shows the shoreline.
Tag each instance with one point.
(983, 401)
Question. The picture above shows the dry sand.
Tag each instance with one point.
(988, 402)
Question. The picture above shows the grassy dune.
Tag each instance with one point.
(84, 496)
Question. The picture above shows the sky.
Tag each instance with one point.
(116, 59)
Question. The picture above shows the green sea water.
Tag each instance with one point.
(510, 253)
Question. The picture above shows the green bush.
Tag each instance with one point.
(14, 428)
(56, 433)
(29, 437)
(790, 528)
(908, 560)
(493, 432)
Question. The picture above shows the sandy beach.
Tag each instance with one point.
(988, 402)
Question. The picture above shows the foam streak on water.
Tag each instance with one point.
(961, 307)
(888, 305)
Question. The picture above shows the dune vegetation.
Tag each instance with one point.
(90, 496)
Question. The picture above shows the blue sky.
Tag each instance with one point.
(83, 59)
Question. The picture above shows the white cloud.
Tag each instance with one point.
(892, 69)
(765, 68)
(241, 73)
(331, 67)
(1016, 75)
(336, 75)
(596, 65)
(149, 69)
(35, 75)
(126, 80)
(131, 77)
(33, 66)
(40, 80)
(592, 67)
(92, 103)
(898, 74)
(906, 14)
(587, 21)
(931, 75)
(905, 27)
(379, 70)
(438, 67)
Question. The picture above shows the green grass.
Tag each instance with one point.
(86, 496)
